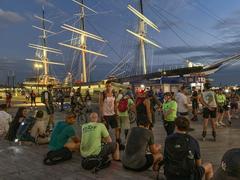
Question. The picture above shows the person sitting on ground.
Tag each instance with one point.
(230, 166)
(96, 142)
(63, 141)
(14, 125)
(33, 130)
(182, 159)
(5, 120)
(38, 131)
(139, 140)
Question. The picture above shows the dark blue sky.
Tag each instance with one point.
(200, 30)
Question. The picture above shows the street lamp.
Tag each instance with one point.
(38, 67)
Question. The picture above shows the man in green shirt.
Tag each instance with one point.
(93, 134)
(169, 113)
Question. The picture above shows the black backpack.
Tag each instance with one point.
(95, 163)
(179, 160)
(58, 156)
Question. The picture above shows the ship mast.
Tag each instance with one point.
(83, 38)
(142, 35)
(44, 48)
(83, 44)
(44, 43)
(142, 45)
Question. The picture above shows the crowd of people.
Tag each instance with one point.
(180, 157)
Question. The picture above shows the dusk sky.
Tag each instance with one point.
(200, 30)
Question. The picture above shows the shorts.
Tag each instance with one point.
(197, 175)
(220, 109)
(50, 109)
(234, 105)
(124, 122)
(111, 120)
(209, 114)
(226, 107)
(107, 149)
(147, 165)
(195, 105)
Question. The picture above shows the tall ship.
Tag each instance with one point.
(41, 61)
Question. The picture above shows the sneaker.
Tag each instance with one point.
(221, 123)
(121, 147)
(218, 124)
(229, 122)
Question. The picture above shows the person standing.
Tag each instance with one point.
(143, 108)
(88, 101)
(108, 109)
(195, 104)
(208, 100)
(234, 98)
(61, 97)
(221, 101)
(8, 99)
(33, 98)
(182, 102)
(169, 113)
(48, 101)
(124, 105)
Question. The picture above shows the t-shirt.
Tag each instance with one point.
(61, 134)
(5, 119)
(193, 146)
(181, 101)
(170, 105)
(48, 97)
(194, 96)
(139, 139)
(38, 128)
(108, 105)
(92, 134)
(221, 99)
(209, 98)
(130, 103)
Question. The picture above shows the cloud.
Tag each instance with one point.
(45, 3)
(217, 51)
(9, 17)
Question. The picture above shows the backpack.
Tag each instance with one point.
(95, 163)
(179, 160)
(25, 126)
(123, 105)
(58, 156)
(43, 96)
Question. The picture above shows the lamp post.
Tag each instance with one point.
(38, 67)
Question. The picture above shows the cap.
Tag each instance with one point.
(230, 166)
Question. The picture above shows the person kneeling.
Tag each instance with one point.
(96, 145)
(139, 140)
(182, 160)
(63, 141)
